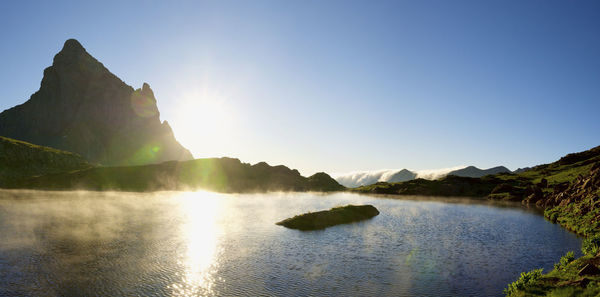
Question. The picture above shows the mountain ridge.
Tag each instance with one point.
(225, 174)
(356, 179)
(472, 171)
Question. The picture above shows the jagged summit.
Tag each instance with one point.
(83, 108)
(72, 45)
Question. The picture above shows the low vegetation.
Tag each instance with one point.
(573, 202)
(19, 160)
(327, 218)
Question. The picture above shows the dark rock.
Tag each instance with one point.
(560, 187)
(83, 108)
(582, 282)
(589, 269)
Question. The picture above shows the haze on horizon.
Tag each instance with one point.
(339, 86)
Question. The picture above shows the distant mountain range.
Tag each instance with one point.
(356, 179)
(472, 171)
(542, 185)
(81, 107)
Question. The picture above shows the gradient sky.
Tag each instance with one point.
(338, 86)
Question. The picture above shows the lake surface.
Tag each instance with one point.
(207, 244)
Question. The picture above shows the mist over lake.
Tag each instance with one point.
(201, 243)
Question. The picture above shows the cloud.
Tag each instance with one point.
(362, 178)
(437, 173)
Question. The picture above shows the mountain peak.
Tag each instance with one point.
(147, 91)
(146, 87)
(83, 108)
(72, 45)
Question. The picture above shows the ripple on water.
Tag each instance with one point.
(192, 244)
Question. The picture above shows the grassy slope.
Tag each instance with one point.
(577, 208)
(19, 159)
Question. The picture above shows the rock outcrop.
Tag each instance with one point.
(583, 188)
(83, 108)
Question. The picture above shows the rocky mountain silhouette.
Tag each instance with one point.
(472, 171)
(83, 108)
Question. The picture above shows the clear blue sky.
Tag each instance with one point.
(338, 86)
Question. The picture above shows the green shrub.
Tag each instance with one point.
(591, 245)
(527, 279)
(564, 261)
(551, 215)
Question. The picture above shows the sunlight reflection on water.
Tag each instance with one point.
(200, 231)
(207, 244)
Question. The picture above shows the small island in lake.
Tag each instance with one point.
(327, 218)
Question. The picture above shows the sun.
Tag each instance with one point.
(203, 121)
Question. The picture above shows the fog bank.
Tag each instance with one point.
(362, 178)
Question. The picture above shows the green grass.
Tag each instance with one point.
(524, 283)
(578, 210)
(564, 280)
(30, 146)
(20, 160)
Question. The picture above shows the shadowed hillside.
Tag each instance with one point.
(81, 107)
(473, 171)
(20, 159)
(221, 175)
